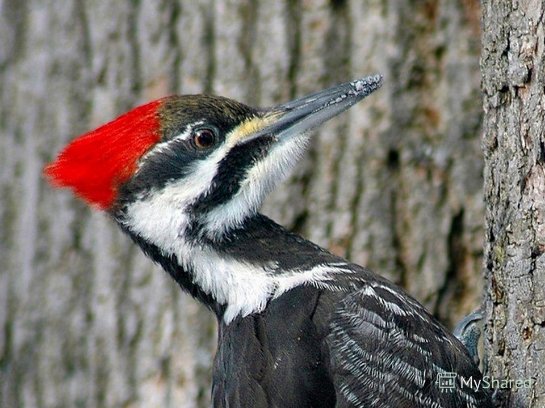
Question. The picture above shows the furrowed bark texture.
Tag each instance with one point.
(513, 68)
(394, 184)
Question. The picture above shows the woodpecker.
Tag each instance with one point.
(184, 177)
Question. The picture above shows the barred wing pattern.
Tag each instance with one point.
(387, 351)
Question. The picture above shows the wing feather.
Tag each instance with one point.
(387, 351)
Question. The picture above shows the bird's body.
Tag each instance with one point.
(320, 323)
(298, 326)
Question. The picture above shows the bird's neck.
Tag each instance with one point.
(240, 272)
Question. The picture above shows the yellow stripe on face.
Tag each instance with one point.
(251, 126)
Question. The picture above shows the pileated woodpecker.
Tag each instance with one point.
(184, 177)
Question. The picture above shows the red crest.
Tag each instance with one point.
(96, 163)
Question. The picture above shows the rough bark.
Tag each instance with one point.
(513, 69)
(395, 184)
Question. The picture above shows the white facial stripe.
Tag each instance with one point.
(243, 287)
(259, 181)
(163, 146)
(179, 195)
(161, 218)
(186, 134)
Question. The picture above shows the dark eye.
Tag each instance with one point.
(204, 138)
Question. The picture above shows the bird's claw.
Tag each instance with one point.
(469, 332)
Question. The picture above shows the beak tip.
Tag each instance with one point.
(367, 85)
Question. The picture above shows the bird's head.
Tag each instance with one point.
(209, 160)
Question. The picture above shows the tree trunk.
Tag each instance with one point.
(394, 184)
(513, 69)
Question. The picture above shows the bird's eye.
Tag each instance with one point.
(204, 138)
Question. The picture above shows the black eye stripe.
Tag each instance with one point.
(231, 171)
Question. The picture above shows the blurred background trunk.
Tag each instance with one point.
(513, 67)
(394, 184)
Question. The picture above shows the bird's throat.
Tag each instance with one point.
(239, 274)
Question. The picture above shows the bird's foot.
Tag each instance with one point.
(469, 331)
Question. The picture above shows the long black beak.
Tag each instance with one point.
(304, 114)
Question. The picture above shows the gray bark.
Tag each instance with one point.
(394, 184)
(513, 68)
